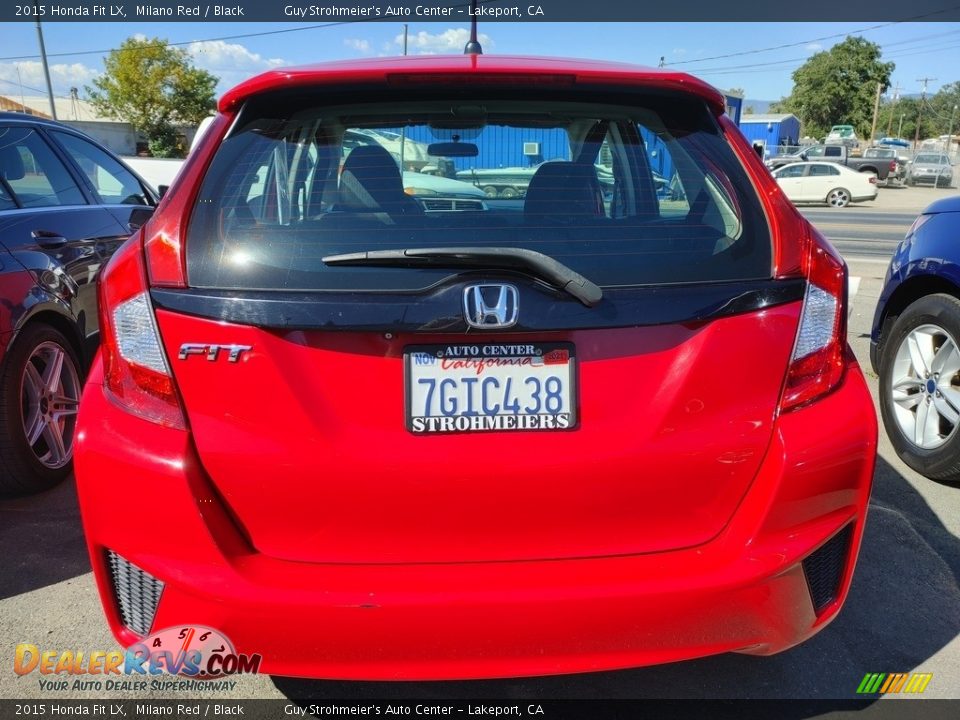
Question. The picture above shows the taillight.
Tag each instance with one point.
(872, 179)
(818, 360)
(135, 372)
(163, 236)
(893, 166)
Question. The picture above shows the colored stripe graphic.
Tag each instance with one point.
(870, 683)
(886, 683)
(918, 683)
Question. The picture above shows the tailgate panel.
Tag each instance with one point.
(305, 438)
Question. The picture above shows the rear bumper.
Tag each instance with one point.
(932, 179)
(144, 495)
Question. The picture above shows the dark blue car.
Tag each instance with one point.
(914, 344)
(66, 203)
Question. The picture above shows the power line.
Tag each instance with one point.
(770, 66)
(29, 87)
(813, 40)
(240, 36)
(181, 43)
(785, 45)
(930, 109)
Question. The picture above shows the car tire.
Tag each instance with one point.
(509, 193)
(838, 197)
(40, 386)
(909, 395)
(490, 191)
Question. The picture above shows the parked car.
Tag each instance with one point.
(879, 154)
(66, 203)
(930, 167)
(839, 154)
(539, 436)
(913, 344)
(825, 182)
(894, 142)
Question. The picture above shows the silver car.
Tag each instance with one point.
(933, 168)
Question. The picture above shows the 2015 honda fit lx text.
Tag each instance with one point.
(370, 423)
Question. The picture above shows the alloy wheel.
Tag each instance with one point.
(838, 197)
(925, 387)
(49, 397)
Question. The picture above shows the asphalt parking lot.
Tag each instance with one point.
(903, 613)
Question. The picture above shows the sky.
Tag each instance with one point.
(76, 50)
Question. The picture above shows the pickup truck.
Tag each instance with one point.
(880, 167)
(881, 154)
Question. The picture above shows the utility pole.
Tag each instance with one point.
(923, 101)
(23, 105)
(46, 68)
(950, 132)
(876, 109)
(403, 130)
(893, 108)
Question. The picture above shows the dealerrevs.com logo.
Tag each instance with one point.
(194, 652)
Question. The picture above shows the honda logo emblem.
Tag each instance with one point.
(490, 306)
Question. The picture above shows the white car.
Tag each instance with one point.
(825, 182)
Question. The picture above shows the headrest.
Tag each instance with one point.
(370, 178)
(563, 192)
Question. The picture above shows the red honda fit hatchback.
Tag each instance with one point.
(539, 373)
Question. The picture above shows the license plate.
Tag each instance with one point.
(490, 387)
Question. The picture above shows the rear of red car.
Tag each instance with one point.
(370, 426)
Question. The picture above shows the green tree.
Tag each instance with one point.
(940, 109)
(837, 87)
(154, 87)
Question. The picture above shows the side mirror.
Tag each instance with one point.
(162, 190)
(139, 217)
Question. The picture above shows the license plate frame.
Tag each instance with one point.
(548, 353)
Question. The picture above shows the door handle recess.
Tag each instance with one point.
(47, 239)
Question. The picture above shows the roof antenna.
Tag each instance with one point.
(473, 47)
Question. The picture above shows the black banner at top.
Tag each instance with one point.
(487, 11)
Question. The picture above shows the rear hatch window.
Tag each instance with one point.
(625, 189)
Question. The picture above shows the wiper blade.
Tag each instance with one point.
(541, 266)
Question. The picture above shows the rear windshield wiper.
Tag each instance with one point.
(541, 266)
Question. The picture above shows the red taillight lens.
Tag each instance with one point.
(818, 360)
(135, 372)
(163, 234)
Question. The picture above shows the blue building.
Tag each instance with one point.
(734, 104)
(503, 147)
(771, 131)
